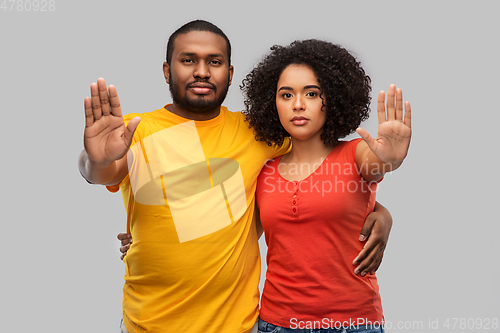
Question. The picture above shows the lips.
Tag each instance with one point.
(299, 120)
(200, 88)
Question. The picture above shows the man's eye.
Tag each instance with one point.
(215, 62)
(187, 61)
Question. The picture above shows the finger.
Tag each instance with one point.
(364, 264)
(123, 235)
(122, 256)
(399, 105)
(124, 249)
(89, 115)
(373, 264)
(370, 141)
(103, 96)
(96, 101)
(381, 107)
(367, 228)
(377, 265)
(130, 130)
(407, 114)
(390, 103)
(370, 262)
(114, 101)
(126, 241)
(365, 252)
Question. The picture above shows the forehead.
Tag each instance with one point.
(201, 43)
(298, 74)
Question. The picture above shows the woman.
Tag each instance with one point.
(313, 200)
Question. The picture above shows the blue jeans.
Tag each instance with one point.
(265, 327)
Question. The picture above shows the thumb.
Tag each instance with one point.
(130, 130)
(370, 141)
(367, 228)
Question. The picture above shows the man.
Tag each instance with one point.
(187, 173)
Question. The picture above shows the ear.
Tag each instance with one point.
(166, 70)
(231, 71)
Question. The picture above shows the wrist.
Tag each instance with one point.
(96, 172)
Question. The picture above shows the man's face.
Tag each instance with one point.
(199, 75)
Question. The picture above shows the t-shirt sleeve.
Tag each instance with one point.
(285, 148)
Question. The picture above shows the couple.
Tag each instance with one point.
(189, 173)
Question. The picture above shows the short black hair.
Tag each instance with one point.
(197, 25)
(345, 89)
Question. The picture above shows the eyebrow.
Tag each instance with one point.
(311, 86)
(192, 54)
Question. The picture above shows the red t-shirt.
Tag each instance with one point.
(312, 228)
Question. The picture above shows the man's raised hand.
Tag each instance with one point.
(106, 139)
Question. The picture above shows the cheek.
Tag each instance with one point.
(281, 107)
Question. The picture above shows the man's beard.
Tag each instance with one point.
(199, 104)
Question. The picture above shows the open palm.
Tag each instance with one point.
(106, 138)
(394, 128)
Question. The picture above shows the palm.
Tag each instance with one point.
(394, 130)
(392, 142)
(103, 140)
(106, 138)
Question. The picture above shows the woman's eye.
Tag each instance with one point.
(312, 94)
(287, 95)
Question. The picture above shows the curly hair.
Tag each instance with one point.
(345, 89)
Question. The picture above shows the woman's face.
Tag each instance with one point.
(299, 103)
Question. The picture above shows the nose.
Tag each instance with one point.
(202, 71)
(298, 104)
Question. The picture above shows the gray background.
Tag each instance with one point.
(60, 267)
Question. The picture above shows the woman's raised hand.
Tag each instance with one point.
(394, 128)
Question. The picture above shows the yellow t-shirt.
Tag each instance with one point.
(194, 265)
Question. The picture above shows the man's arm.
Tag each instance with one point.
(106, 138)
(377, 228)
(126, 239)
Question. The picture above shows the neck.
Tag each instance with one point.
(308, 151)
(181, 112)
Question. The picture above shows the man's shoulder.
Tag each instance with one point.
(233, 114)
(235, 117)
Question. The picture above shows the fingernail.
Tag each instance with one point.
(362, 238)
(363, 274)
